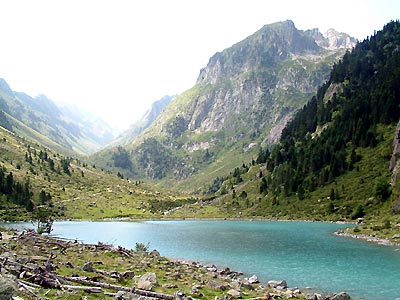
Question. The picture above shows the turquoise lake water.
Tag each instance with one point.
(305, 254)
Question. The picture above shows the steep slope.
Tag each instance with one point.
(35, 179)
(332, 160)
(39, 118)
(241, 101)
(145, 121)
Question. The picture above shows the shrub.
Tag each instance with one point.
(142, 248)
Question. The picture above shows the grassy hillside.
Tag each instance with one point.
(71, 189)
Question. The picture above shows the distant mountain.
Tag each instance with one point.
(64, 129)
(241, 101)
(145, 121)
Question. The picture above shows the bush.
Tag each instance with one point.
(358, 213)
(142, 248)
(382, 189)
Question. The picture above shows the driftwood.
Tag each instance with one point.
(117, 288)
(42, 277)
(35, 272)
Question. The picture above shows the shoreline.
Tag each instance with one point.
(368, 238)
(200, 280)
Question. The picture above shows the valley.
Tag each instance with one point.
(284, 125)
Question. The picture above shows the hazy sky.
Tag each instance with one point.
(115, 58)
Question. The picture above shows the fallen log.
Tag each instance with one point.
(88, 289)
(117, 288)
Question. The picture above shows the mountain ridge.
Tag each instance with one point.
(72, 134)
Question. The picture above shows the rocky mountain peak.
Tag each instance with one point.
(4, 87)
(339, 40)
(269, 46)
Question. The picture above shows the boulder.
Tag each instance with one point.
(234, 294)
(277, 283)
(128, 274)
(341, 296)
(121, 295)
(253, 279)
(311, 297)
(314, 296)
(215, 285)
(88, 267)
(154, 253)
(147, 281)
(235, 285)
(169, 286)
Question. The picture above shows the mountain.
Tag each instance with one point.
(241, 101)
(145, 121)
(66, 129)
(338, 157)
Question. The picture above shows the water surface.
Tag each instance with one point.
(305, 254)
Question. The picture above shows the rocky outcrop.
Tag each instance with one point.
(394, 167)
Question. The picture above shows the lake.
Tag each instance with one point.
(305, 254)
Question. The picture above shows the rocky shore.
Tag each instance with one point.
(34, 266)
(369, 238)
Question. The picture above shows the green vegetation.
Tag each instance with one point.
(34, 179)
(332, 161)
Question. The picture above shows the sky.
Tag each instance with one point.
(115, 57)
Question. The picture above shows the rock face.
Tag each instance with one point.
(394, 166)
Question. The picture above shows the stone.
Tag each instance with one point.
(234, 294)
(121, 295)
(311, 297)
(277, 283)
(147, 281)
(88, 267)
(128, 274)
(396, 236)
(179, 295)
(225, 271)
(341, 296)
(211, 268)
(68, 264)
(254, 279)
(214, 285)
(154, 253)
(169, 286)
(235, 285)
